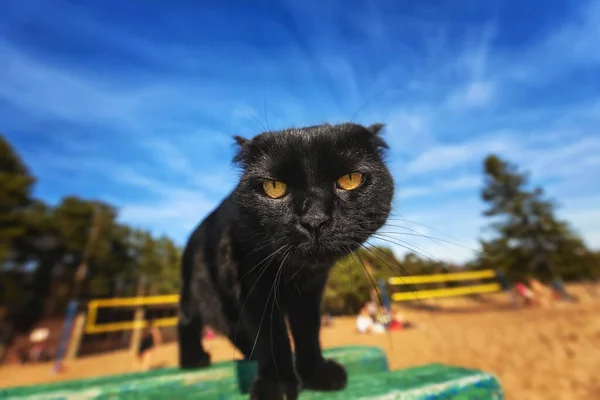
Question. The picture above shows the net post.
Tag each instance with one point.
(136, 334)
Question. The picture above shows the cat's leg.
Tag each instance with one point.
(271, 348)
(316, 373)
(189, 331)
(243, 341)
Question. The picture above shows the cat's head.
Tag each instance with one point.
(320, 190)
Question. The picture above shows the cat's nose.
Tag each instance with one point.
(315, 221)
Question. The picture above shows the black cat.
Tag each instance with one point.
(306, 197)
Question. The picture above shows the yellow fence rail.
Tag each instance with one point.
(444, 292)
(454, 276)
(92, 327)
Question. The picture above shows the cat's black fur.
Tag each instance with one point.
(255, 260)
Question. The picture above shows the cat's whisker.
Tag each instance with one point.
(265, 259)
(275, 303)
(435, 241)
(394, 218)
(278, 277)
(263, 317)
(294, 275)
(260, 324)
(432, 238)
(382, 260)
(296, 281)
(414, 247)
(260, 274)
(395, 274)
(367, 103)
(366, 272)
(261, 245)
(380, 309)
(350, 274)
(265, 106)
(408, 246)
(258, 123)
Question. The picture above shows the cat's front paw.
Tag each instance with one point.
(267, 389)
(327, 376)
(191, 360)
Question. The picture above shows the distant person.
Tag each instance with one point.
(524, 292)
(209, 337)
(371, 307)
(399, 322)
(541, 292)
(209, 333)
(383, 317)
(39, 347)
(560, 291)
(365, 323)
(151, 337)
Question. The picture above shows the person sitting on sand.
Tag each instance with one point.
(560, 291)
(151, 337)
(209, 333)
(39, 350)
(365, 324)
(542, 293)
(399, 322)
(524, 292)
(382, 317)
(371, 307)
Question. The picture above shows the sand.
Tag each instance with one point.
(537, 353)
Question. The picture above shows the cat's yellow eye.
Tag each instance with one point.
(274, 189)
(350, 181)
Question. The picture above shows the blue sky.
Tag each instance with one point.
(135, 103)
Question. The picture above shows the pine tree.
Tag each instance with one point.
(16, 184)
(530, 239)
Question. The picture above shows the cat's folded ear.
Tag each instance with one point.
(242, 149)
(376, 139)
(376, 128)
(241, 141)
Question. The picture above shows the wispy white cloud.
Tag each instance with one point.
(174, 214)
(480, 88)
(447, 156)
(54, 92)
(441, 187)
(475, 95)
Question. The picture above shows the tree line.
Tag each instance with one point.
(44, 248)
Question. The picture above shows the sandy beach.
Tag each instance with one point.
(537, 353)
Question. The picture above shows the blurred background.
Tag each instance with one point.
(116, 121)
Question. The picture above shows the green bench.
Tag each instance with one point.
(369, 378)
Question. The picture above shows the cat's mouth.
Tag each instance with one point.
(317, 249)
